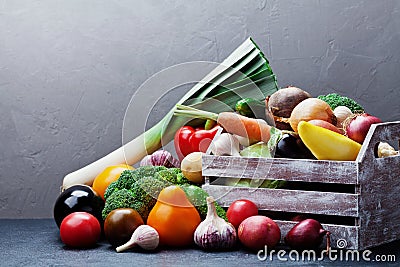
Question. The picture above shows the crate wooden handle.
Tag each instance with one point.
(381, 132)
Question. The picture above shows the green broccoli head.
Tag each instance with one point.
(119, 199)
(334, 100)
(111, 189)
(198, 197)
(138, 189)
(148, 187)
(173, 176)
(181, 179)
(126, 179)
(167, 175)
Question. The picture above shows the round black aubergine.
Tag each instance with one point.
(78, 198)
(291, 146)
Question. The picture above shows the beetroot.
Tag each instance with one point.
(282, 102)
(307, 234)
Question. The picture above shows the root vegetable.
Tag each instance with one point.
(357, 126)
(341, 113)
(282, 102)
(254, 129)
(192, 168)
(307, 234)
(311, 109)
(259, 231)
(214, 233)
(144, 236)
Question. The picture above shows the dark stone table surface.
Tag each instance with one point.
(36, 242)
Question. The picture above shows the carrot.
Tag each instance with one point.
(254, 129)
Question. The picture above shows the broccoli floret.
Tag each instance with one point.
(181, 179)
(175, 170)
(111, 189)
(173, 176)
(141, 197)
(197, 196)
(145, 171)
(119, 199)
(334, 100)
(146, 191)
(168, 176)
(126, 179)
(140, 188)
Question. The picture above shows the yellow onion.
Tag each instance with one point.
(311, 109)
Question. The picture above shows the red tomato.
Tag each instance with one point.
(80, 229)
(240, 210)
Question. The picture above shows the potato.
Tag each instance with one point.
(259, 231)
(191, 167)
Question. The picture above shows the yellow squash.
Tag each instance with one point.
(326, 144)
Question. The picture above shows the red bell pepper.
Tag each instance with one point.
(188, 139)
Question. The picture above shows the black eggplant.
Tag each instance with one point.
(78, 198)
(291, 146)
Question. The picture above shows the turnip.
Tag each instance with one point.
(259, 231)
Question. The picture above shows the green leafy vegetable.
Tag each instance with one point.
(245, 73)
(334, 100)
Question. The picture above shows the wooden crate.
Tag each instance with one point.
(373, 207)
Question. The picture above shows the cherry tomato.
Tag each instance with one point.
(80, 230)
(107, 176)
(240, 210)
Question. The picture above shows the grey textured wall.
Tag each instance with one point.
(69, 68)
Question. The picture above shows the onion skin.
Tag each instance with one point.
(311, 109)
(357, 126)
(325, 124)
(307, 234)
(341, 113)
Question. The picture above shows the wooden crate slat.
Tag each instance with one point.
(379, 188)
(376, 180)
(326, 203)
(344, 172)
(338, 233)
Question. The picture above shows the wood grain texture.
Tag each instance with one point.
(325, 203)
(281, 169)
(379, 188)
(375, 205)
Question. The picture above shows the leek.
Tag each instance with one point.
(245, 73)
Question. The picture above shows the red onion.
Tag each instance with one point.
(357, 126)
(307, 234)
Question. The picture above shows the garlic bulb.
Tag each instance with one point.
(341, 113)
(144, 236)
(225, 145)
(160, 158)
(214, 232)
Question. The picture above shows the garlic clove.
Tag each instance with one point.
(144, 236)
(225, 145)
(214, 232)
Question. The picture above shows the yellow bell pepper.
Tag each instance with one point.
(326, 144)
